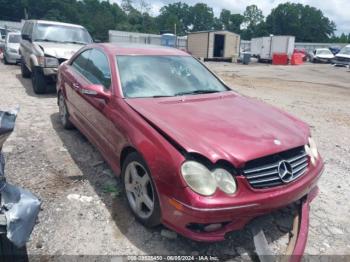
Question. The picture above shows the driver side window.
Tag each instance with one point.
(98, 69)
(81, 61)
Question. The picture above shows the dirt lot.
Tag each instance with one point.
(83, 212)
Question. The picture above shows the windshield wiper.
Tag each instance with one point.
(196, 92)
(45, 40)
(160, 96)
(74, 42)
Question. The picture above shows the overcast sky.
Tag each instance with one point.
(336, 10)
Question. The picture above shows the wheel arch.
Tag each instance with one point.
(125, 152)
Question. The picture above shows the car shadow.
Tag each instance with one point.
(27, 85)
(107, 186)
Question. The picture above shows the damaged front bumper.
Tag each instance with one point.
(298, 235)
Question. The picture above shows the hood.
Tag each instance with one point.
(342, 55)
(59, 50)
(325, 56)
(223, 126)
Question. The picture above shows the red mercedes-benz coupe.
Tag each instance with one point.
(193, 154)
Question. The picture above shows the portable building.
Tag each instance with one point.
(214, 45)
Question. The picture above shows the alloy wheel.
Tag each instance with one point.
(139, 190)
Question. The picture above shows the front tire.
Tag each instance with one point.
(140, 190)
(9, 252)
(24, 70)
(5, 60)
(63, 112)
(38, 81)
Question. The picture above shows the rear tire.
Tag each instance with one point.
(24, 70)
(63, 112)
(38, 81)
(140, 188)
(9, 252)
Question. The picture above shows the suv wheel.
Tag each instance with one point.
(24, 70)
(38, 81)
(5, 60)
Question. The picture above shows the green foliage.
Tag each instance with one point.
(171, 14)
(98, 16)
(231, 22)
(253, 16)
(306, 23)
(202, 17)
(341, 39)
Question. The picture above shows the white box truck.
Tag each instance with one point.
(263, 48)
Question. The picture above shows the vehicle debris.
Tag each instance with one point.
(18, 207)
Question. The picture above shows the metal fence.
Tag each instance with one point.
(11, 25)
(141, 38)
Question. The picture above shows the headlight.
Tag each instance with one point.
(205, 182)
(199, 178)
(225, 181)
(311, 150)
(51, 62)
(313, 147)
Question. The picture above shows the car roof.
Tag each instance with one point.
(55, 23)
(139, 49)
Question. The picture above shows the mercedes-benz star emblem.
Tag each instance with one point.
(285, 171)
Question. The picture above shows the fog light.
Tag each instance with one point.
(212, 227)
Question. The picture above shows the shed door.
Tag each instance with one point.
(219, 45)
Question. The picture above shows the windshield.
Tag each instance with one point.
(14, 39)
(157, 76)
(61, 33)
(345, 51)
(324, 52)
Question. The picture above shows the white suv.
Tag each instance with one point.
(45, 45)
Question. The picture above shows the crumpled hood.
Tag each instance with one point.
(59, 50)
(325, 56)
(342, 55)
(223, 126)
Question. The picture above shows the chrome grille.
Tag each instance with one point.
(263, 172)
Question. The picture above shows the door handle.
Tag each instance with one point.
(75, 86)
(88, 92)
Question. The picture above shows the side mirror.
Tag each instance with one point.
(26, 37)
(97, 91)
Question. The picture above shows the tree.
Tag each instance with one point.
(231, 22)
(306, 23)
(202, 17)
(253, 22)
(171, 14)
(253, 16)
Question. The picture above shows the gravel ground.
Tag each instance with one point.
(84, 213)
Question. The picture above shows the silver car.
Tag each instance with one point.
(45, 45)
(11, 50)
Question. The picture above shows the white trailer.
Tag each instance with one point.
(264, 47)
